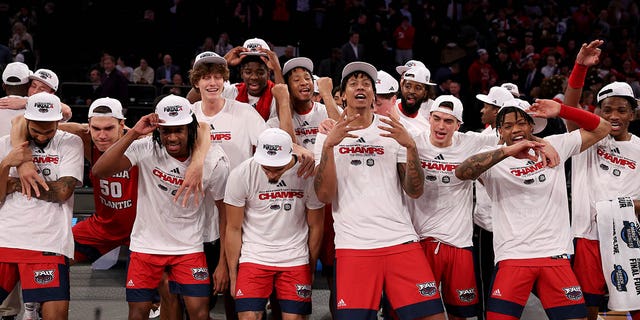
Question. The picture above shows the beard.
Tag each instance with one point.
(411, 108)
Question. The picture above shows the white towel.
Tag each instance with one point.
(619, 233)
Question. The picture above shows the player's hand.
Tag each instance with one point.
(146, 124)
(307, 163)
(220, 278)
(232, 285)
(544, 108)
(280, 90)
(192, 184)
(325, 86)
(396, 131)
(233, 56)
(524, 149)
(589, 54)
(271, 60)
(342, 130)
(549, 155)
(30, 179)
(14, 103)
(18, 155)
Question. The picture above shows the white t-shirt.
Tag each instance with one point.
(482, 212)
(235, 128)
(163, 226)
(444, 211)
(368, 209)
(231, 92)
(35, 224)
(419, 123)
(305, 126)
(530, 209)
(6, 115)
(605, 171)
(274, 230)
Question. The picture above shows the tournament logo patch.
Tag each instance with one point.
(303, 291)
(446, 179)
(46, 172)
(427, 289)
(172, 111)
(604, 166)
(630, 234)
(200, 274)
(43, 276)
(431, 178)
(573, 293)
(619, 278)
(356, 162)
(542, 178)
(467, 295)
(370, 162)
(287, 206)
(275, 207)
(616, 172)
(43, 107)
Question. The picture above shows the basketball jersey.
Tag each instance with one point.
(368, 209)
(35, 224)
(115, 200)
(530, 206)
(305, 126)
(274, 230)
(163, 226)
(605, 171)
(235, 128)
(444, 211)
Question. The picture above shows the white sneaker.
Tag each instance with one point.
(154, 313)
(31, 311)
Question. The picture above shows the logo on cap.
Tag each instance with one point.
(272, 149)
(44, 75)
(43, 107)
(172, 111)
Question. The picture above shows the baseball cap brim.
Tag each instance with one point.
(367, 68)
(485, 98)
(299, 62)
(211, 59)
(179, 122)
(402, 69)
(253, 53)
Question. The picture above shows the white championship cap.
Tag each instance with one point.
(418, 74)
(47, 76)
(16, 73)
(113, 104)
(253, 45)
(437, 105)
(174, 110)
(208, 57)
(274, 148)
(515, 92)
(617, 89)
(362, 67)
(385, 83)
(538, 123)
(497, 96)
(43, 106)
(298, 62)
(408, 65)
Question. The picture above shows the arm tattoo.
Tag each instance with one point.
(59, 191)
(319, 179)
(412, 177)
(475, 165)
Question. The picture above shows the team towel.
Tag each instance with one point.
(620, 250)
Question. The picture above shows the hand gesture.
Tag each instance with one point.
(396, 131)
(19, 155)
(342, 130)
(549, 154)
(307, 163)
(544, 108)
(192, 184)
(522, 150)
(146, 124)
(326, 125)
(233, 56)
(280, 90)
(30, 179)
(589, 54)
(271, 60)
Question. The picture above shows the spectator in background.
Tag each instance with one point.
(289, 52)
(19, 33)
(113, 83)
(404, 36)
(332, 65)
(143, 74)
(25, 54)
(165, 72)
(126, 70)
(352, 50)
(178, 87)
(481, 74)
(551, 68)
(223, 46)
(207, 45)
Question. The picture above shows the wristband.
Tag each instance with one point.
(584, 119)
(578, 74)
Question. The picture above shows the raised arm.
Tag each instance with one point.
(474, 166)
(589, 55)
(325, 86)
(280, 92)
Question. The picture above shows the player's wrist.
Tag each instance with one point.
(578, 75)
(582, 118)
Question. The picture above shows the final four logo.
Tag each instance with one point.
(172, 111)
(43, 107)
(272, 149)
(630, 234)
(619, 278)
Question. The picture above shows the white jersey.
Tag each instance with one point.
(6, 115)
(35, 224)
(231, 92)
(274, 230)
(605, 171)
(530, 209)
(235, 128)
(444, 211)
(482, 212)
(368, 209)
(163, 226)
(305, 126)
